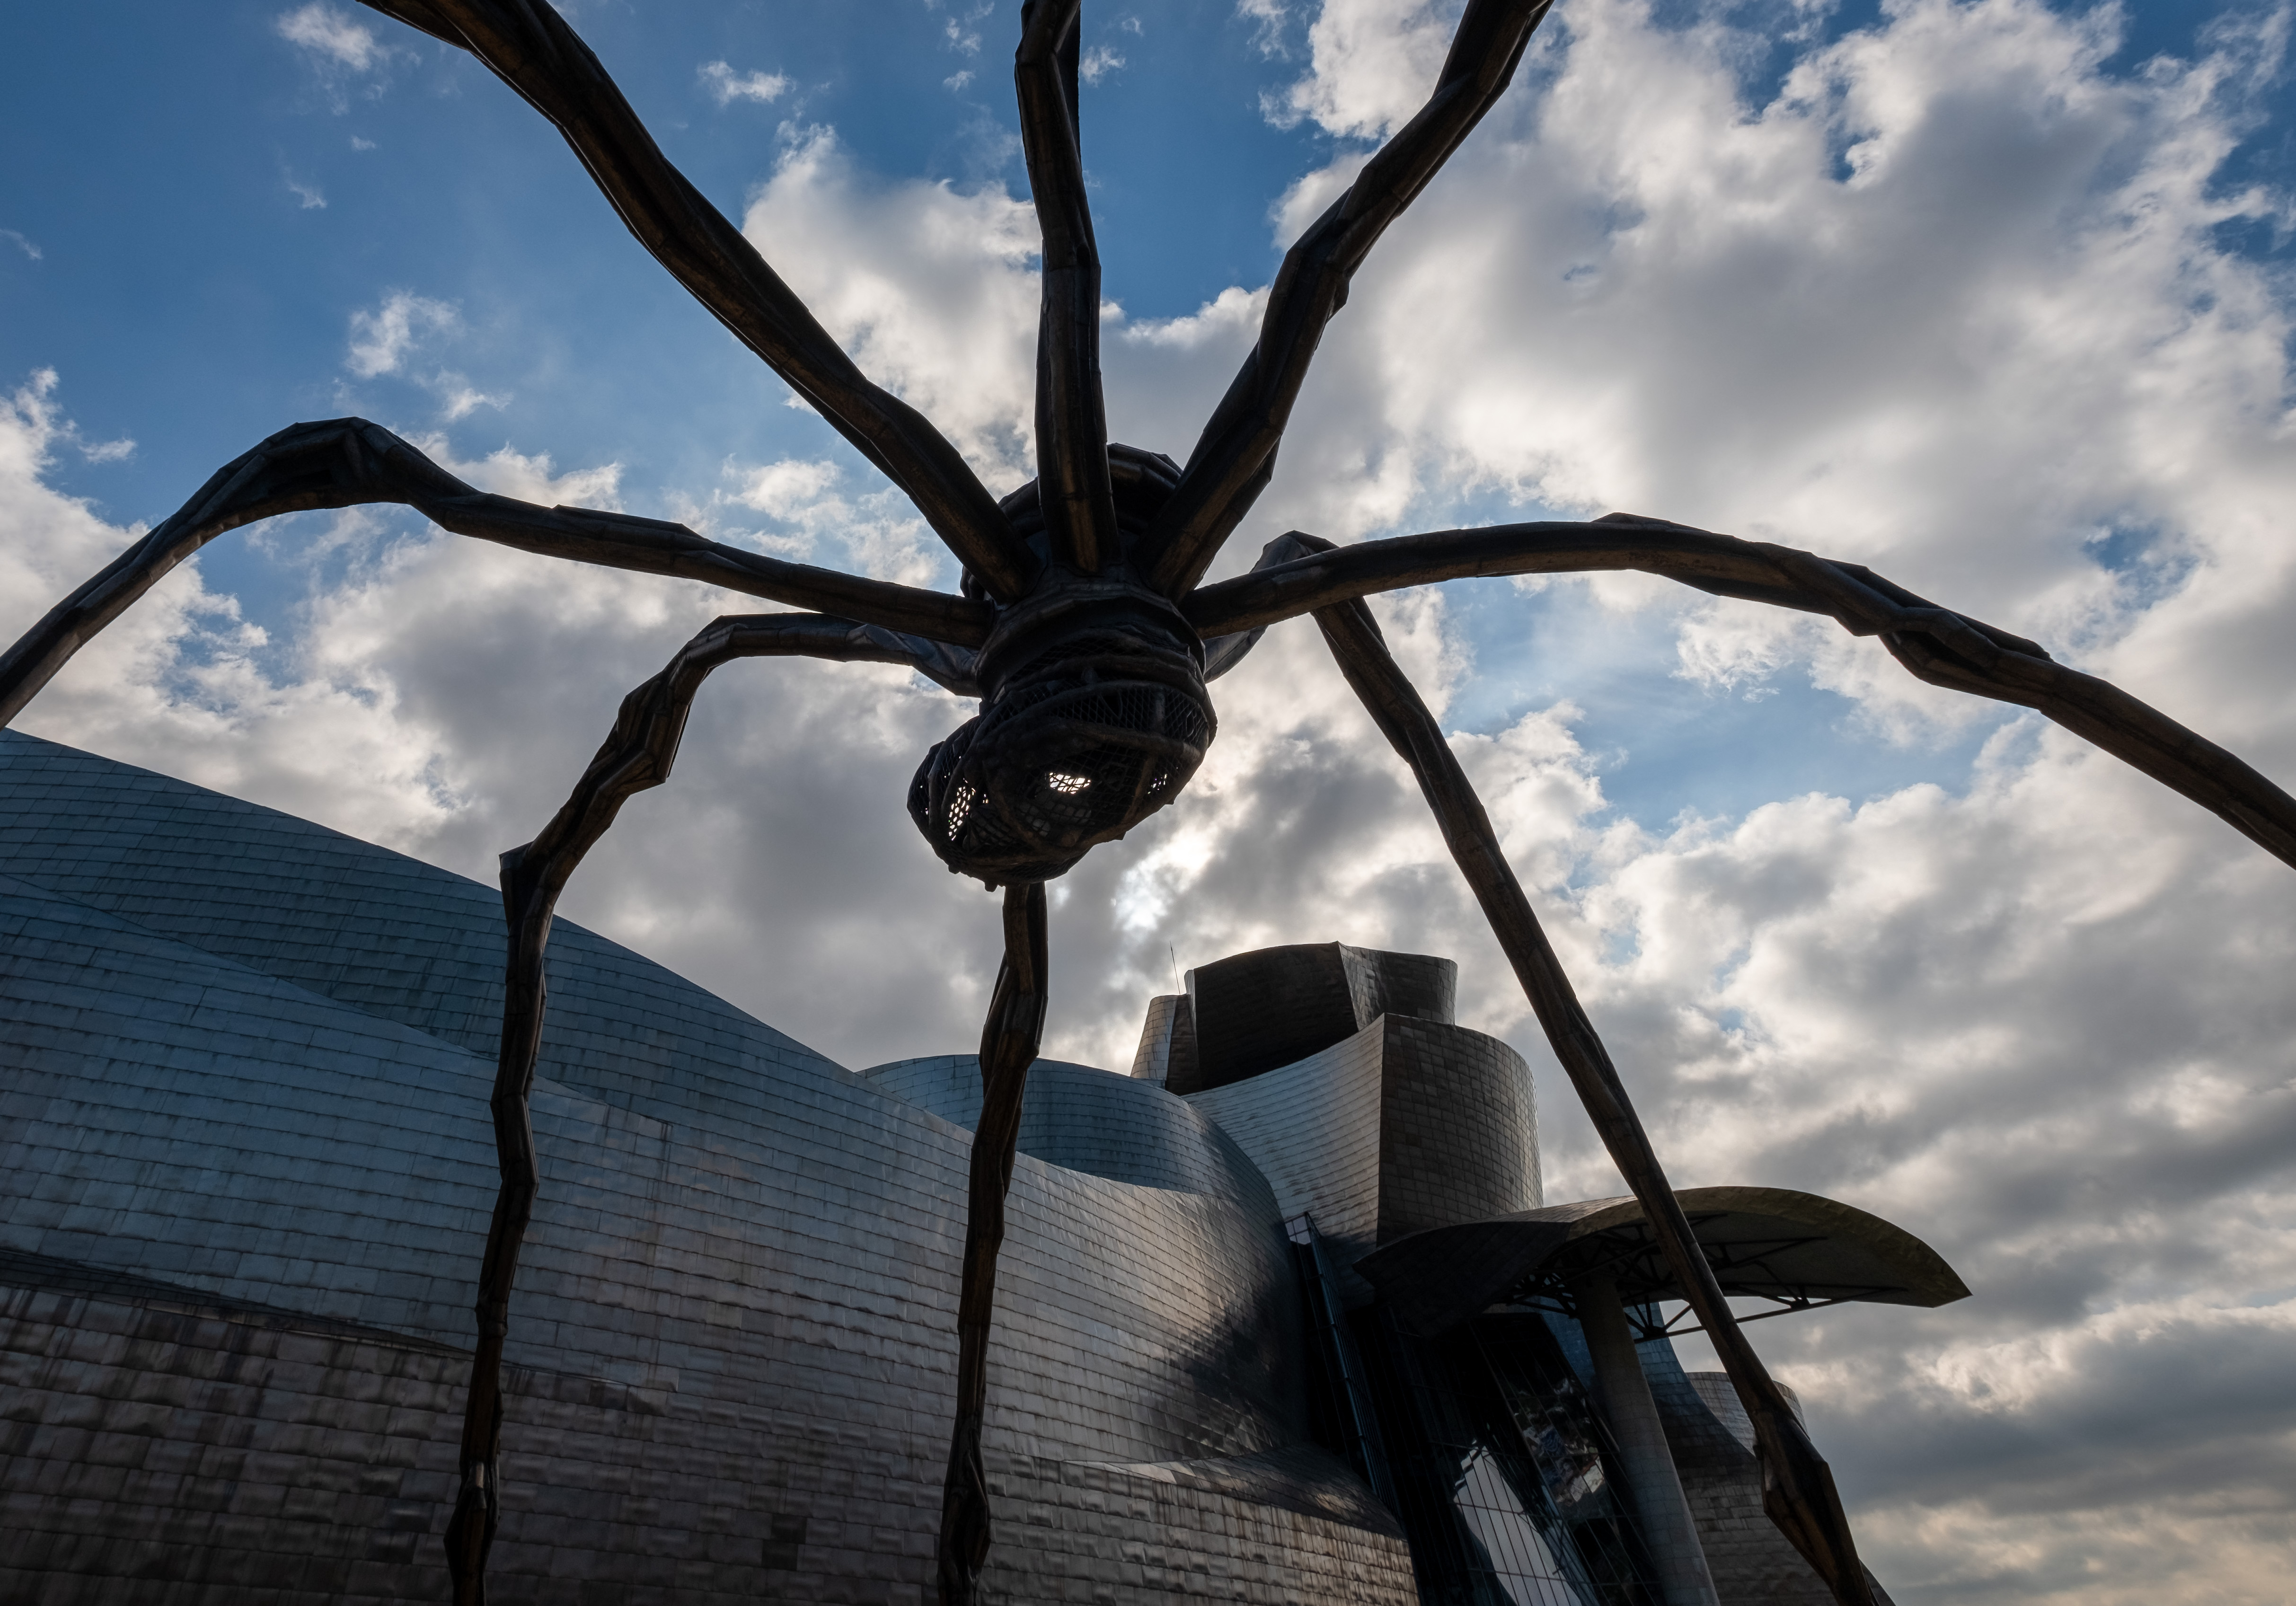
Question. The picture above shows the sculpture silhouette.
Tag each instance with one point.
(1083, 629)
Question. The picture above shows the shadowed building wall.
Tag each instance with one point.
(246, 1167)
(1406, 1124)
(248, 1171)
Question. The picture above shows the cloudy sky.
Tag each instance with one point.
(1993, 297)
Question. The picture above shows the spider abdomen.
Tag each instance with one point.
(1094, 715)
(1092, 734)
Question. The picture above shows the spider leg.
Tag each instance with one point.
(1935, 644)
(1071, 417)
(636, 754)
(1236, 454)
(348, 462)
(530, 46)
(1009, 1040)
(1798, 1486)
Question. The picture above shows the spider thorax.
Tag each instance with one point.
(1093, 714)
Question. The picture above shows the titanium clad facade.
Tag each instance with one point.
(246, 1169)
(1714, 1452)
(1096, 1122)
(1273, 1007)
(1458, 1130)
(1313, 1130)
(1406, 1125)
(247, 1172)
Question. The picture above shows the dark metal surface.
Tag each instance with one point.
(1406, 1125)
(1801, 1498)
(1008, 1046)
(1124, 1128)
(1271, 1007)
(1352, 1413)
(1085, 637)
(1235, 457)
(248, 1058)
(1795, 1249)
(530, 46)
(1073, 473)
(637, 755)
(1935, 644)
(1100, 727)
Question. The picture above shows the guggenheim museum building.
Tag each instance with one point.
(1284, 1315)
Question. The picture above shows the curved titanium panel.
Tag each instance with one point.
(733, 1339)
(1167, 1053)
(1257, 1012)
(1459, 1131)
(385, 934)
(1763, 1242)
(1407, 1124)
(1097, 1122)
(1313, 1130)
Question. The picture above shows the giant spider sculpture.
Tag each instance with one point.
(1084, 631)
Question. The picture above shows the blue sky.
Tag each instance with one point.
(1991, 295)
(194, 292)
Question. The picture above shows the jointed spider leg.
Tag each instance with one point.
(348, 462)
(1236, 454)
(636, 754)
(1798, 1486)
(1072, 418)
(1935, 644)
(530, 46)
(1009, 1040)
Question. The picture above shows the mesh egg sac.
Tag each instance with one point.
(1090, 739)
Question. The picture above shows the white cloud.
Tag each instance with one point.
(1372, 63)
(1952, 303)
(37, 430)
(387, 340)
(931, 289)
(876, 532)
(1268, 18)
(726, 86)
(309, 196)
(1098, 63)
(332, 35)
(963, 34)
(370, 712)
(22, 243)
(785, 490)
(381, 339)
(185, 684)
(531, 477)
(459, 398)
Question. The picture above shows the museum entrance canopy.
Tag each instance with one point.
(1798, 1250)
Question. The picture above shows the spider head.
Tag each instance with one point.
(1094, 712)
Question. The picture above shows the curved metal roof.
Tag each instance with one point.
(1798, 1249)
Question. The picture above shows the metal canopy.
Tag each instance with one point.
(1799, 1251)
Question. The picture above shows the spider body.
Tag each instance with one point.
(1094, 714)
(1083, 629)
